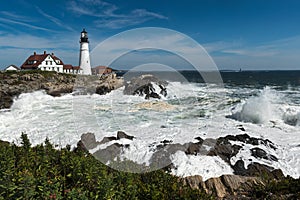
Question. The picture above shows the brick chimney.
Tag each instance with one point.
(34, 53)
(44, 52)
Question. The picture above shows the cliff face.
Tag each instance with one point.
(13, 84)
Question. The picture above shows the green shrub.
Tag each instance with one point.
(43, 172)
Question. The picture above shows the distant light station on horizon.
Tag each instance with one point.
(84, 57)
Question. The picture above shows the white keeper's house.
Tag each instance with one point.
(49, 62)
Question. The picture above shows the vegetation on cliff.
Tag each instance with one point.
(43, 172)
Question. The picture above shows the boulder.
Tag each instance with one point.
(89, 141)
(239, 168)
(260, 153)
(144, 86)
(225, 186)
(122, 134)
(257, 169)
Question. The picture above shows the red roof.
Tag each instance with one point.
(35, 60)
(76, 67)
(68, 67)
(39, 58)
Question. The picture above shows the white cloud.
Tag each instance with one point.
(17, 17)
(11, 21)
(54, 20)
(109, 15)
(279, 54)
(16, 48)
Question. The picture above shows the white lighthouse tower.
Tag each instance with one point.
(84, 57)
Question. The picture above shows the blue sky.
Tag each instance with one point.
(248, 34)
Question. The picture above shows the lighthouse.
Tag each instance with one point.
(84, 57)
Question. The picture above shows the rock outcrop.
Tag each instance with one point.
(225, 185)
(237, 186)
(144, 85)
(55, 84)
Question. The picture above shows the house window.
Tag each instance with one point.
(46, 62)
(50, 62)
(44, 68)
(58, 61)
(57, 69)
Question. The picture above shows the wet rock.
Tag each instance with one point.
(152, 95)
(122, 134)
(260, 153)
(107, 139)
(193, 148)
(258, 170)
(241, 127)
(143, 85)
(225, 150)
(199, 139)
(239, 168)
(102, 90)
(166, 141)
(109, 153)
(89, 141)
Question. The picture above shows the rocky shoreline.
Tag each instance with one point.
(55, 84)
(239, 185)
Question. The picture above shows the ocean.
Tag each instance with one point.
(265, 103)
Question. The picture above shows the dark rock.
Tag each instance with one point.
(89, 140)
(81, 146)
(109, 153)
(143, 85)
(242, 128)
(199, 139)
(102, 90)
(163, 90)
(224, 150)
(260, 153)
(260, 170)
(239, 168)
(243, 138)
(152, 95)
(107, 139)
(161, 157)
(122, 134)
(193, 148)
(166, 141)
